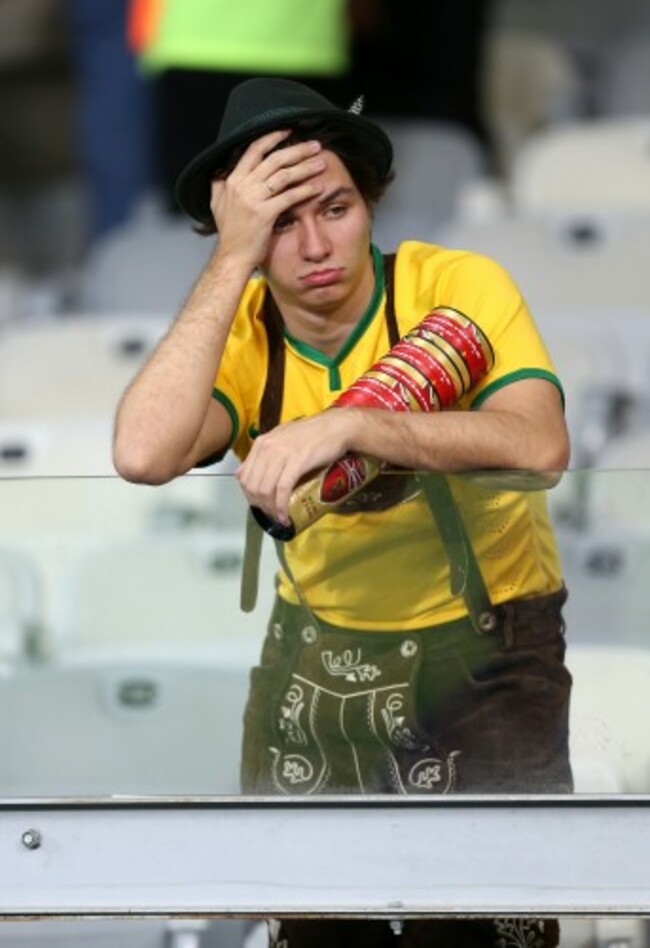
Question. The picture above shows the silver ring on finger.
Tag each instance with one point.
(270, 188)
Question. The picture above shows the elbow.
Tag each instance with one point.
(557, 456)
(139, 466)
(552, 461)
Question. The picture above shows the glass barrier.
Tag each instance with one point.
(126, 656)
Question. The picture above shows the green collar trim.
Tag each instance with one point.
(333, 362)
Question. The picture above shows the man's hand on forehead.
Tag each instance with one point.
(282, 167)
(265, 183)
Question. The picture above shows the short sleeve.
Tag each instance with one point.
(483, 290)
(240, 380)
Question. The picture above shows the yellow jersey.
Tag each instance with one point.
(388, 570)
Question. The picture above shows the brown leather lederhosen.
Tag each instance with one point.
(465, 574)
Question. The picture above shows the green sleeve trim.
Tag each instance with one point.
(234, 420)
(516, 377)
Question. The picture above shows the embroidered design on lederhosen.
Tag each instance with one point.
(520, 932)
(346, 721)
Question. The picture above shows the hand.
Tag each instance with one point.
(263, 185)
(279, 460)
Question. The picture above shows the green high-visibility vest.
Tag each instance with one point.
(307, 37)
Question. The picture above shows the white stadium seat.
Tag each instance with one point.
(593, 262)
(609, 707)
(74, 368)
(585, 166)
(167, 597)
(147, 265)
(435, 161)
(121, 730)
(21, 605)
(530, 82)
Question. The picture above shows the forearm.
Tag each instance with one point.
(161, 415)
(457, 441)
(520, 427)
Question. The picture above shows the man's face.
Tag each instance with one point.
(319, 252)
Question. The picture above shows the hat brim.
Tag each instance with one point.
(193, 187)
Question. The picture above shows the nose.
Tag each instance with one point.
(314, 243)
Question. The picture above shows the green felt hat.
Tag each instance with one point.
(257, 106)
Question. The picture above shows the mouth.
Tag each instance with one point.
(323, 277)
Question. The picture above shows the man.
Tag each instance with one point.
(417, 640)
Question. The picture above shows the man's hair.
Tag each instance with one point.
(369, 181)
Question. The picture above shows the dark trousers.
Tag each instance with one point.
(434, 711)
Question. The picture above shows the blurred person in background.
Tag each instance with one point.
(114, 113)
(198, 50)
(41, 224)
(436, 50)
(151, 73)
(36, 95)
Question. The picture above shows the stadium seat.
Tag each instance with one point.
(124, 933)
(90, 933)
(121, 729)
(169, 596)
(593, 262)
(58, 522)
(20, 608)
(609, 707)
(530, 82)
(619, 490)
(40, 449)
(148, 266)
(434, 162)
(72, 368)
(587, 166)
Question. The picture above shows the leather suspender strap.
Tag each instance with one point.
(466, 579)
(271, 404)
(389, 283)
(270, 411)
(250, 571)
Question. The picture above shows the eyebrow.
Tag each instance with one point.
(343, 190)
